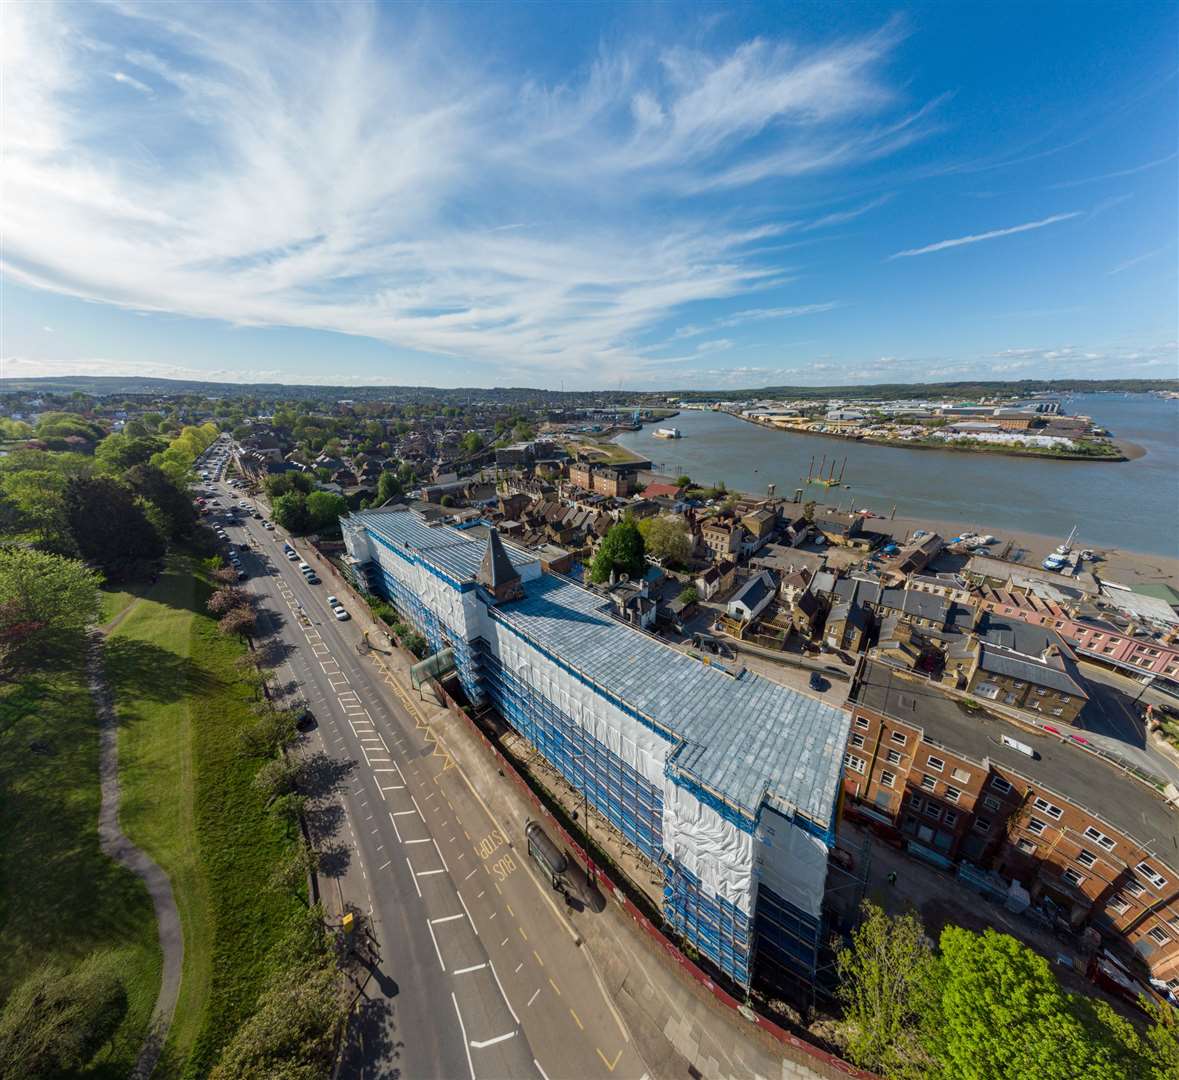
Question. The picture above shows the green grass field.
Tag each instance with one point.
(188, 800)
(60, 897)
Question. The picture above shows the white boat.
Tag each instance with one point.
(668, 433)
(1067, 546)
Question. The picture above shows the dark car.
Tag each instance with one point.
(817, 682)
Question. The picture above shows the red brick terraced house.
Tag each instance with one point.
(1094, 846)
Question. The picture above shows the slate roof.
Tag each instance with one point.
(450, 551)
(743, 738)
(754, 591)
(1001, 662)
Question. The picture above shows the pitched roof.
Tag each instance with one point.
(496, 569)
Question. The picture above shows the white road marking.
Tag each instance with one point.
(503, 995)
(437, 951)
(446, 918)
(467, 970)
(469, 919)
(463, 1032)
(492, 1042)
(415, 878)
(533, 998)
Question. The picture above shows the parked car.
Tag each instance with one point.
(312, 579)
(341, 614)
(817, 682)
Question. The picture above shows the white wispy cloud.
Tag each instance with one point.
(1114, 175)
(1136, 260)
(130, 80)
(993, 234)
(740, 318)
(334, 172)
(842, 217)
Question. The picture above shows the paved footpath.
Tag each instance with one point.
(116, 844)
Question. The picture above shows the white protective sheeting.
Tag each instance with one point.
(791, 862)
(707, 845)
(638, 746)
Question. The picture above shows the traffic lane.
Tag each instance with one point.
(411, 1036)
(486, 1022)
(1111, 712)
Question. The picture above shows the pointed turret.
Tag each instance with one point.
(496, 572)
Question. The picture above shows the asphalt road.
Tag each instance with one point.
(480, 974)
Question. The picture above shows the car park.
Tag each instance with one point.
(292, 556)
(304, 566)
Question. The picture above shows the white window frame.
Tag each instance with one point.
(1086, 858)
(934, 763)
(857, 740)
(1152, 875)
(1036, 827)
(1159, 934)
(1051, 809)
(953, 794)
(854, 763)
(888, 779)
(1098, 837)
(1000, 785)
(898, 737)
(1118, 904)
(862, 723)
(1073, 876)
(1026, 846)
(990, 802)
(981, 825)
(929, 783)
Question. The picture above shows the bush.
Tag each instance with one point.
(415, 643)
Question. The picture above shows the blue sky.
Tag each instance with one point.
(591, 195)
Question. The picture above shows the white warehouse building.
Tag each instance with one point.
(728, 782)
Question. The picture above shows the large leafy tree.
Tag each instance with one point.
(388, 487)
(176, 511)
(666, 539)
(290, 511)
(999, 1011)
(884, 980)
(119, 452)
(324, 509)
(621, 552)
(57, 1020)
(43, 598)
(110, 527)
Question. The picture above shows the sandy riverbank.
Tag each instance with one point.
(1116, 564)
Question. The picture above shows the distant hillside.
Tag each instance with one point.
(139, 386)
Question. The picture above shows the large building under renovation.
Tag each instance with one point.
(727, 781)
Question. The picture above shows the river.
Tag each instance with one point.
(1132, 505)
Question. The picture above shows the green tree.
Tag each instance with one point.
(119, 452)
(666, 538)
(324, 509)
(110, 527)
(177, 514)
(808, 511)
(43, 598)
(688, 595)
(290, 511)
(884, 980)
(55, 1021)
(621, 552)
(472, 442)
(388, 487)
(283, 483)
(998, 1011)
(683, 481)
(292, 1034)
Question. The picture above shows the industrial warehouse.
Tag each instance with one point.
(725, 780)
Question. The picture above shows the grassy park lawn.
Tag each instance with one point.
(188, 799)
(61, 899)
